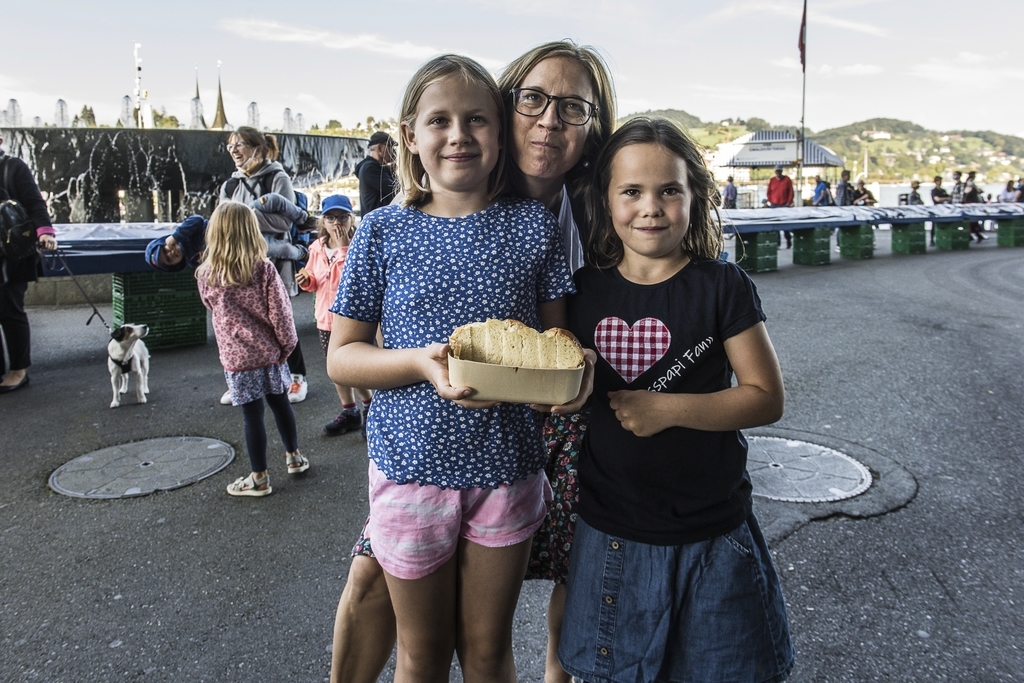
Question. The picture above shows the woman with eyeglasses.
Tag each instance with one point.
(258, 175)
(560, 108)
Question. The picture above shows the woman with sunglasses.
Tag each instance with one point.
(560, 110)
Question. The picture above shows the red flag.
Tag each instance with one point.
(802, 44)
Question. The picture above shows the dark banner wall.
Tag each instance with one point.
(106, 175)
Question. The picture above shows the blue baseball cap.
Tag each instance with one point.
(336, 201)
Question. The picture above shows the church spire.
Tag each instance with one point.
(198, 120)
(220, 119)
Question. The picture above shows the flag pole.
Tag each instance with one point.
(803, 103)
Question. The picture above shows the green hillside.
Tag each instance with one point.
(897, 150)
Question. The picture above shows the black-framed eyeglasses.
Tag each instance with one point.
(574, 111)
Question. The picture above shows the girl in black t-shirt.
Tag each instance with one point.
(670, 578)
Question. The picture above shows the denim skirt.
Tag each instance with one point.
(707, 612)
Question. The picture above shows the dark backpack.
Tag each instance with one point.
(17, 234)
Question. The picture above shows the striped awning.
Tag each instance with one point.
(771, 148)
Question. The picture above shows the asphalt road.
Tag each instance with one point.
(912, 364)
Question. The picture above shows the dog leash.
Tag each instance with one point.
(58, 254)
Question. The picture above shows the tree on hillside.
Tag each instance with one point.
(161, 119)
(679, 117)
(86, 118)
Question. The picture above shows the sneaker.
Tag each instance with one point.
(345, 422)
(362, 428)
(225, 400)
(298, 389)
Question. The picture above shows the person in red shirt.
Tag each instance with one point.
(780, 194)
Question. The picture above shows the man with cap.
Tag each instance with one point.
(780, 194)
(377, 183)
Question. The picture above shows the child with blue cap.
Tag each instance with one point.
(321, 275)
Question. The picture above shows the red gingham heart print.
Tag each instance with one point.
(632, 350)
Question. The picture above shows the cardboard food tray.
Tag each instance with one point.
(515, 385)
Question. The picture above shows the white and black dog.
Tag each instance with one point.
(127, 355)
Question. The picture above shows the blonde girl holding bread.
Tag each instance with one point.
(456, 486)
(321, 275)
(255, 331)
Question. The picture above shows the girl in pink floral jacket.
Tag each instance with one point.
(255, 331)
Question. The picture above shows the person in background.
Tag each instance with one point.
(843, 191)
(255, 332)
(915, 197)
(780, 194)
(377, 184)
(729, 194)
(19, 185)
(257, 174)
(1018, 191)
(182, 248)
(973, 196)
(1009, 194)
(939, 196)
(321, 275)
(822, 192)
(957, 196)
(862, 196)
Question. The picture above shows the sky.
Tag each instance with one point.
(943, 64)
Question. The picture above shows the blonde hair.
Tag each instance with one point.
(234, 246)
(703, 238)
(600, 82)
(410, 168)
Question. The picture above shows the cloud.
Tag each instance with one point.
(744, 94)
(794, 10)
(275, 31)
(786, 63)
(969, 68)
(827, 70)
(859, 70)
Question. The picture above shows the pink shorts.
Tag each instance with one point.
(416, 529)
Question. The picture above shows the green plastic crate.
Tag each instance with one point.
(760, 252)
(857, 241)
(909, 239)
(812, 246)
(168, 303)
(952, 237)
(1011, 234)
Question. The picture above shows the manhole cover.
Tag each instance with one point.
(142, 467)
(803, 472)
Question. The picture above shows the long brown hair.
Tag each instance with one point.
(410, 168)
(703, 238)
(600, 82)
(234, 246)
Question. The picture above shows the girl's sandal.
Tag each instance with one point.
(250, 486)
(296, 463)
